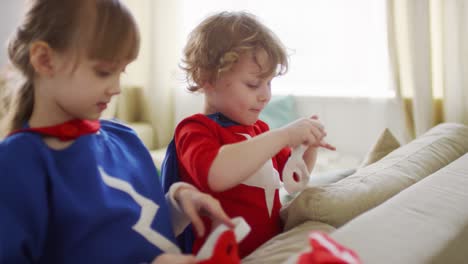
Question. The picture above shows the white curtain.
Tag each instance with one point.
(428, 41)
(157, 64)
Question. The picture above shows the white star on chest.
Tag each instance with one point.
(267, 178)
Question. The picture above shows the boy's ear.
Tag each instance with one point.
(206, 81)
(40, 57)
(208, 84)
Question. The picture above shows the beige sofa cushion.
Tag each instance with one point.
(338, 203)
(145, 132)
(425, 223)
(385, 144)
(280, 247)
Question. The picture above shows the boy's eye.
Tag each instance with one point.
(103, 73)
(252, 86)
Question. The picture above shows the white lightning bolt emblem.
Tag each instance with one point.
(149, 209)
(267, 178)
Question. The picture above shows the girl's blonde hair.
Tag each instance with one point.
(218, 42)
(98, 29)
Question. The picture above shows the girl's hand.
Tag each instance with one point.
(167, 258)
(195, 204)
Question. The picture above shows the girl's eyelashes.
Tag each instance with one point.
(104, 69)
(107, 72)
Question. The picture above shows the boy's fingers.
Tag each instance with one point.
(318, 132)
(324, 144)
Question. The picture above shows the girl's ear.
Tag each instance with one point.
(40, 57)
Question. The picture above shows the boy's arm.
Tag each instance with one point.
(310, 157)
(234, 163)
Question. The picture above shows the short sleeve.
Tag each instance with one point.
(197, 146)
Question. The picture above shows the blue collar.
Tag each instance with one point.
(222, 120)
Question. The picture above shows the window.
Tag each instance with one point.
(336, 47)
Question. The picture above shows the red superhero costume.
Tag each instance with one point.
(198, 139)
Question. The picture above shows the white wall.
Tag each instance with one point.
(10, 15)
(353, 124)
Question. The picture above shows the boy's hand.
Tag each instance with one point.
(323, 143)
(195, 204)
(167, 258)
(308, 131)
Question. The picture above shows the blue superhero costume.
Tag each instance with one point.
(170, 175)
(97, 201)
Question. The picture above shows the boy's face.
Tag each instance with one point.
(240, 94)
(83, 89)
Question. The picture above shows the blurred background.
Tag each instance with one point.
(362, 66)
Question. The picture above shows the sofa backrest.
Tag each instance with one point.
(425, 223)
(370, 186)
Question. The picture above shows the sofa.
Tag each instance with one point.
(409, 206)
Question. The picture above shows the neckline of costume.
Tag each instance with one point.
(69, 130)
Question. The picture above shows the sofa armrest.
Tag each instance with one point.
(145, 132)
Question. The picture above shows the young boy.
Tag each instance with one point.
(227, 151)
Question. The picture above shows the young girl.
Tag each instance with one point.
(75, 189)
(227, 151)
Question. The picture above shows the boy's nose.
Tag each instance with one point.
(265, 94)
(263, 98)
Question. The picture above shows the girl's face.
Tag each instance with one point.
(80, 90)
(240, 94)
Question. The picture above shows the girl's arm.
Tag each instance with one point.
(187, 204)
(174, 259)
(23, 204)
(179, 219)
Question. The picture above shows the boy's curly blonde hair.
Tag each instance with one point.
(218, 42)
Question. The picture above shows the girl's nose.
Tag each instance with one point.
(114, 88)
